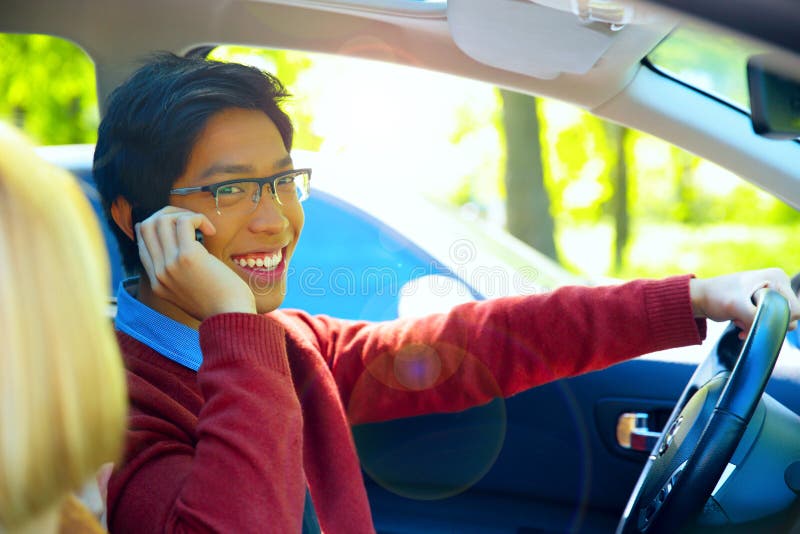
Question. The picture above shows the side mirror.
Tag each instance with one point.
(774, 83)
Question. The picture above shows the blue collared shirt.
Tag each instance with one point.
(793, 338)
(166, 336)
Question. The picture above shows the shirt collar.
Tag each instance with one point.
(794, 338)
(166, 336)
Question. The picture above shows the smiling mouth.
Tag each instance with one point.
(268, 261)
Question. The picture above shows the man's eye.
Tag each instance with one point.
(286, 183)
(232, 189)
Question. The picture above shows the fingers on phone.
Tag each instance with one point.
(205, 225)
(167, 240)
(157, 240)
(144, 255)
(187, 231)
(167, 236)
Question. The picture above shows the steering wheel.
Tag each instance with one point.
(705, 427)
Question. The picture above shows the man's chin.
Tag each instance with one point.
(262, 309)
(271, 301)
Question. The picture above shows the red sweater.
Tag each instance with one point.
(231, 448)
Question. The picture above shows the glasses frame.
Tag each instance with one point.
(271, 180)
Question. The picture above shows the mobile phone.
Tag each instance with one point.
(198, 235)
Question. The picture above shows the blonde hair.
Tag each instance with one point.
(63, 399)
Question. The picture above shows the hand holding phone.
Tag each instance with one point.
(188, 276)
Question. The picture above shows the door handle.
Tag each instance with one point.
(633, 432)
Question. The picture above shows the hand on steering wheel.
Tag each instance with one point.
(705, 427)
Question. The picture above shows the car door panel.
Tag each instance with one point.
(559, 469)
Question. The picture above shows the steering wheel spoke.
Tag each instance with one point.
(706, 426)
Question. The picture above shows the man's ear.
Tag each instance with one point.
(121, 213)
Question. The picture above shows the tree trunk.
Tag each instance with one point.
(618, 135)
(684, 192)
(527, 203)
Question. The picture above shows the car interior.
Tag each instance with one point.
(673, 440)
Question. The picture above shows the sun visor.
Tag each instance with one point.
(526, 38)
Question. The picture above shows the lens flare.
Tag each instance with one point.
(435, 456)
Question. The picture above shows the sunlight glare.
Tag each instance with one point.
(714, 180)
(408, 142)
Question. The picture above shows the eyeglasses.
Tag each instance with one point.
(241, 196)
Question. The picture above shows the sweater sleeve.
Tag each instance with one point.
(232, 476)
(484, 350)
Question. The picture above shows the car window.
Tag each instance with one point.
(619, 203)
(48, 90)
(713, 64)
(611, 202)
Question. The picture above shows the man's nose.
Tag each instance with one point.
(268, 212)
(267, 190)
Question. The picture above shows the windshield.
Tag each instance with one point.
(712, 63)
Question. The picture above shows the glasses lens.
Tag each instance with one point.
(243, 197)
(292, 189)
(237, 197)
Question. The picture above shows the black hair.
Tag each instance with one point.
(153, 121)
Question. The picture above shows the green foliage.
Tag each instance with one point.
(287, 66)
(668, 247)
(686, 214)
(577, 159)
(471, 188)
(461, 195)
(47, 87)
(467, 121)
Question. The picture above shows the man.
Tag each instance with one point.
(240, 412)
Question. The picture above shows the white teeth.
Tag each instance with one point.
(266, 262)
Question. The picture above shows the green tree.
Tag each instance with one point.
(47, 88)
(288, 66)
